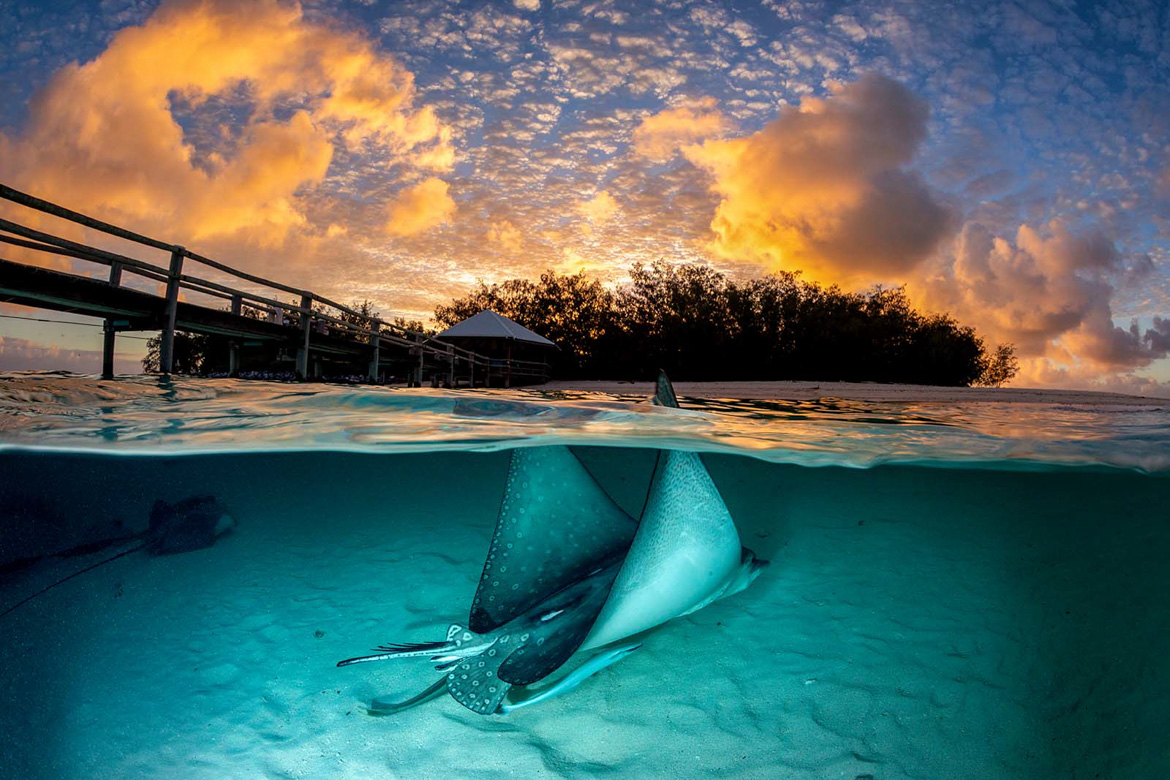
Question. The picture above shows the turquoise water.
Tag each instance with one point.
(955, 591)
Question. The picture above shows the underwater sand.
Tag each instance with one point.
(915, 623)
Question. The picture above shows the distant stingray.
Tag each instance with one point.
(569, 571)
(191, 524)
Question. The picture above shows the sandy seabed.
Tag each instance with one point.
(915, 623)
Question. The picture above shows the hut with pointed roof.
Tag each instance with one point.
(518, 355)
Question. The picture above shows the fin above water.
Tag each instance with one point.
(664, 392)
(554, 526)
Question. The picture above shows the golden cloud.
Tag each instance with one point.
(419, 208)
(506, 235)
(599, 209)
(823, 187)
(106, 136)
(661, 136)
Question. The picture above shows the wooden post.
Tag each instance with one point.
(508, 367)
(471, 369)
(451, 367)
(306, 329)
(166, 352)
(108, 350)
(234, 345)
(108, 328)
(418, 375)
(375, 358)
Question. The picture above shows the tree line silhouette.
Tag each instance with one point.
(697, 324)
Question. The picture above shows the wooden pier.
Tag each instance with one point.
(309, 326)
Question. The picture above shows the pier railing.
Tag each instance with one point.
(310, 313)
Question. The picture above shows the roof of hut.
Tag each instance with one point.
(489, 325)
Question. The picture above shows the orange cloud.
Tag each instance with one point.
(1049, 292)
(505, 235)
(599, 209)
(823, 188)
(661, 136)
(106, 136)
(419, 208)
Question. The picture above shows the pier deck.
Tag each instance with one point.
(310, 327)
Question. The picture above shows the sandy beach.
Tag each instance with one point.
(860, 391)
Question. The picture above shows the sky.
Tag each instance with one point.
(1008, 162)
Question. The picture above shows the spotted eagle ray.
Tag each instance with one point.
(194, 523)
(568, 571)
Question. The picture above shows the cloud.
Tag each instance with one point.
(419, 208)
(276, 141)
(659, 137)
(823, 188)
(17, 354)
(214, 118)
(1158, 336)
(1162, 187)
(1049, 291)
(826, 189)
(600, 209)
(1043, 373)
(505, 235)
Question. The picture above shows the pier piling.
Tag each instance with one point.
(166, 352)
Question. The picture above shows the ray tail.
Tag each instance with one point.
(381, 706)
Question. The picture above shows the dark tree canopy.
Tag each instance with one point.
(697, 324)
(190, 353)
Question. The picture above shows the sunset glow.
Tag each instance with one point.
(1010, 166)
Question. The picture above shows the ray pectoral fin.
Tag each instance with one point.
(552, 641)
(574, 678)
(539, 657)
(685, 551)
(664, 392)
(554, 524)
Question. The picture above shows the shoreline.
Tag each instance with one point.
(26, 382)
(858, 391)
